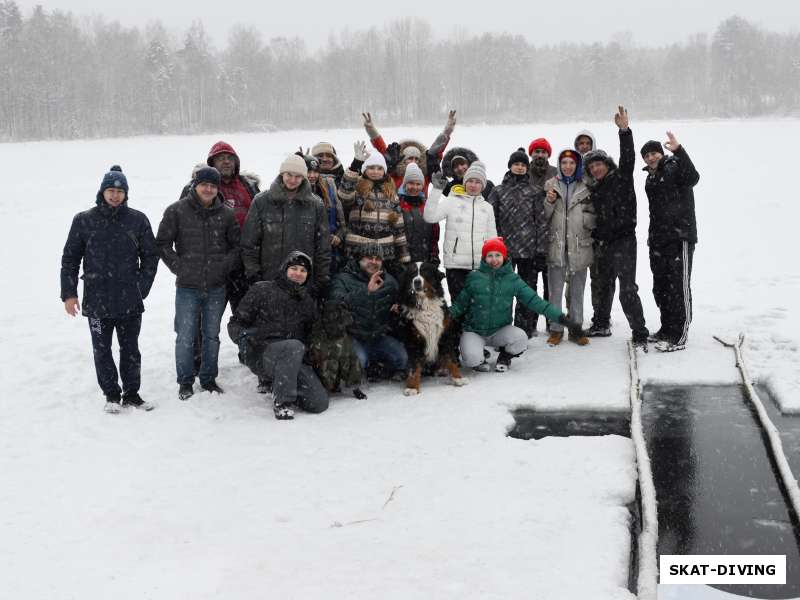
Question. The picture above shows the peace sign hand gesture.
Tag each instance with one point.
(621, 118)
(672, 144)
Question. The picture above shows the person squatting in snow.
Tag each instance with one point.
(485, 304)
(271, 326)
(120, 259)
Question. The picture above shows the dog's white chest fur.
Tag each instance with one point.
(428, 319)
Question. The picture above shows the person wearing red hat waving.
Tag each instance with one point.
(485, 304)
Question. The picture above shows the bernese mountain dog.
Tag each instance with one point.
(430, 335)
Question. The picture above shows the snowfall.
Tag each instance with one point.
(390, 497)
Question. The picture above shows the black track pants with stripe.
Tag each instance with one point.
(671, 265)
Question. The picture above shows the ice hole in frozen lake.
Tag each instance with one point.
(717, 487)
(531, 424)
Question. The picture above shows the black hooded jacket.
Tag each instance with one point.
(275, 310)
(614, 197)
(671, 198)
(120, 259)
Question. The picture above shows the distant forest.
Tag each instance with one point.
(65, 76)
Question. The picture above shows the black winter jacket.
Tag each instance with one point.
(275, 310)
(519, 215)
(614, 197)
(200, 245)
(371, 312)
(120, 259)
(671, 199)
(275, 226)
(422, 237)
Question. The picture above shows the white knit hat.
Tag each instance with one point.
(477, 170)
(412, 152)
(413, 173)
(294, 164)
(374, 159)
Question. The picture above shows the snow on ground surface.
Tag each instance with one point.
(394, 497)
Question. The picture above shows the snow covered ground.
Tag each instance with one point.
(393, 497)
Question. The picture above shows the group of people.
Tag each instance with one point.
(322, 235)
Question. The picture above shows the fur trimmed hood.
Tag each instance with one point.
(447, 168)
(400, 169)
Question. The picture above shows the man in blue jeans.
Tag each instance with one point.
(370, 293)
(198, 240)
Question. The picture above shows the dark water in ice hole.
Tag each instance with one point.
(716, 484)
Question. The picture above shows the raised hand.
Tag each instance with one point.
(621, 118)
(306, 152)
(438, 180)
(451, 122)
(369, 125)
(360, 152)
(671, 144)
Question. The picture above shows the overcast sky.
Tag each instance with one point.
(651, 22)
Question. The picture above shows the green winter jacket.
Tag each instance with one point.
(371, 312)
(488, 296)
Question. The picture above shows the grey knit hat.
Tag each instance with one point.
(413, 173)
(476, 170)
(294, 164)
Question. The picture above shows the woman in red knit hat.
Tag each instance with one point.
(486, 303)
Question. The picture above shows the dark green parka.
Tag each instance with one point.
(488, 298)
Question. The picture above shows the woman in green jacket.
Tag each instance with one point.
(486, 305)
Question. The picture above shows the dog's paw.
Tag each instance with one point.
(410, 392)
(459, 381)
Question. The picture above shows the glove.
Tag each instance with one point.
(439, 180)
(575, 329)
(432, 163)
(451, 123)
(540, 263)
(393, 156)
(360, 151)
(369, 126)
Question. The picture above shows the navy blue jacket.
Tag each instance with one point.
(120, 259)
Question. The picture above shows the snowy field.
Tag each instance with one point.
(391, 497)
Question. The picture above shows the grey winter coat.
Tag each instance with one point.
(276, 225)
(200, 245)
(571, 221)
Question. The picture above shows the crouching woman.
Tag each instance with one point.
(271, 324)
(486, 304)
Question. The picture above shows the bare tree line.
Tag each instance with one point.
(64, 77)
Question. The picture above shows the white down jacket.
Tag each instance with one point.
(469, 221)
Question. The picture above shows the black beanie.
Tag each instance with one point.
(298, 258)
(652, 146)
(207, 175)
(519, 156)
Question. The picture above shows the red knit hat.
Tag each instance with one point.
(540, 143)
(494, 245)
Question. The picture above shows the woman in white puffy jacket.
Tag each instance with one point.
(469, 222)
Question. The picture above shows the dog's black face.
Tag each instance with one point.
(336, 319)
(421, 279)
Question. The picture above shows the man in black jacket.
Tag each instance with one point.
(272, 325)
(287, 217)
(120, 259)
(614, 200)
(198, 239)
(672, 237)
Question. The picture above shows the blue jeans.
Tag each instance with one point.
(189, 305)
(385, 349)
